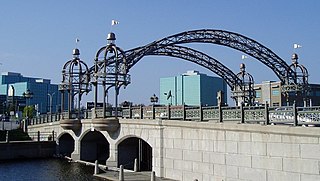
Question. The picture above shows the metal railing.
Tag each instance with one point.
(290, 115)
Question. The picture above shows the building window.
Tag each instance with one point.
(275, 92)
(258, 94)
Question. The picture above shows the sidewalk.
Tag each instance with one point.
(129, 176)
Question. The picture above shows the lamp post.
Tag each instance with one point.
(27, 95)
(154, 99)
(3, 115)
(50, 99)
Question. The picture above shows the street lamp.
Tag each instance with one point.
(3, 115)
(50, 96)
(154, 99)
(27, 95)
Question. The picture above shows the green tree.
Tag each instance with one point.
(29, 111)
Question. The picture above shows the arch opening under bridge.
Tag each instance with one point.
(94, 146)
(135, 148)
(66, 144)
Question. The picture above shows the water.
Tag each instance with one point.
(45, 170)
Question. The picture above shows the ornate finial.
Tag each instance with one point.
(111, 38)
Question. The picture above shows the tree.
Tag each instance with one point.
(28, 111)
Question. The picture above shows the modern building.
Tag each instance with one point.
(191, 88)
(45, 97)
(270, 91)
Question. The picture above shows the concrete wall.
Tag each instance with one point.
(185, 150)
(212, 151)
(26, 149)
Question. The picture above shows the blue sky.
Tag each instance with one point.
(37, 37)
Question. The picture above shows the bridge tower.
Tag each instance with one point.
(296, 87)
(244, 93)
(110, 70)
(75, 82)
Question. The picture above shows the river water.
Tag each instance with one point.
(45, 170)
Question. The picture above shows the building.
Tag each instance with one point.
(191, 88)
(13, 85)
(270, 91)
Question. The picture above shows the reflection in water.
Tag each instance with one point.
(45, 170)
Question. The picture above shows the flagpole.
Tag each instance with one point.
(113, 23)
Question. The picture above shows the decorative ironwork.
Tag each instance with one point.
(298, 84)
(287, 115)
(161, 112)
(148, 112)
(210, 113)
(220, 37)
(254, 114)
(168, 46)
(308, 115)
(231, 113)
(177, 112)
(281, 115)
(75, 81)
(136, 113)
(232, 40)
(193, 113)
(110, 70)
(244, 94)
(201, 59)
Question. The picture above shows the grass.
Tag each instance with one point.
(14, 135)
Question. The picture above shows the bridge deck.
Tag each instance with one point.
(129, 176)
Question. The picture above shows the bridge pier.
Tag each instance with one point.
(75, 155)
(112, 160)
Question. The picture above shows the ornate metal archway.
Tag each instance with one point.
(168, 46)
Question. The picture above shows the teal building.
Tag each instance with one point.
(191, 88)
(15, 84)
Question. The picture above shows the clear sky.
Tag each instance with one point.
(37, 37)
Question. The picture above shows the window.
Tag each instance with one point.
(275, 92)
(258, 94)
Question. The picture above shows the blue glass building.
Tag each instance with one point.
(191, 88)
(41, 88)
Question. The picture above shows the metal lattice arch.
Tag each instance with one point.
(235, 41)
(168, 46)
(219, 37)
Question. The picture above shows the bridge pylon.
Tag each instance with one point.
(296, 87)
(75, 82)
(110, 71)
(244, 93)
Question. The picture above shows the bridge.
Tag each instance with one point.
(244, 142)
(196, 142)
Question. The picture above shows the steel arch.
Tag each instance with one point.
(133, 56)
(219, 37)
(201, 59)
(232, 40)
